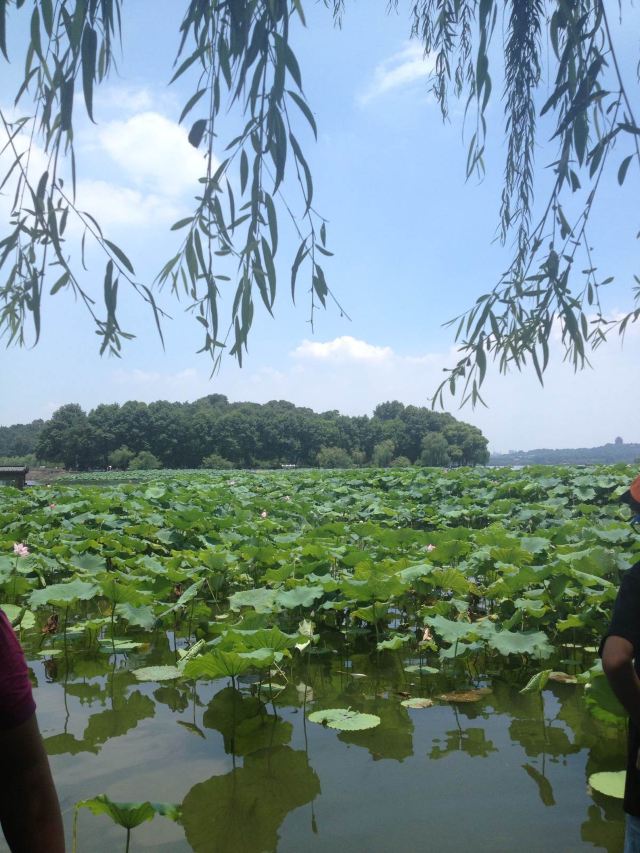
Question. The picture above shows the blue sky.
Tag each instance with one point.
(414, 246)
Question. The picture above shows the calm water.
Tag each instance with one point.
(502, 774)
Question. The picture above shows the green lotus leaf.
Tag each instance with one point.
(155, 492)
(421, 669)
(394, 643)
(127, 815)
(534, 544)
(345, 719)
(610, 784)
(262, 600)
(218, 664)
(119, 644)
(64, 593)
(19, 616)
(452, 632)
(157, 673)
(143, 616)
(537, 682)
(300, 596)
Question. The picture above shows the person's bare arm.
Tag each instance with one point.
(29, 808)
(617, 663)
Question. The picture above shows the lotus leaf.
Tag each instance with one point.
(421, 669)
(157, 673)
(262, 600)
(537, 682)
(19, 616)
(611, 784)
(344, 719)
(64, 593)
(300, 596)
(394, 643)
(417, 702)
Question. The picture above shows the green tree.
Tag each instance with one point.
(435, 450)
(400, 462)
(216, 462)
(243, 53)
(67, 436)
(383, 453)
(144, 461)
(121, 458)
(333, 457)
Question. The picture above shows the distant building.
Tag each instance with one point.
(13, 475)
(618, 440)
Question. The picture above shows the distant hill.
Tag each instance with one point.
(607, 454)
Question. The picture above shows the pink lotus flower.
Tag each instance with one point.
(51, 506)
(430, 547)
(427, 636)
(20, 549)
(287, 498)
(263, 514)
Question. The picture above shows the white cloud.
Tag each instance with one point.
(117, 206)
(123, 98)
(403, 68)
(343, 349)
(153, 152)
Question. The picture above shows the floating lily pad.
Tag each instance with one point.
(474, 695)
(119, 645)
(610, 784)
(345, 719)
(421, 670)
(417, 702)
(157, 673)
(49, 653)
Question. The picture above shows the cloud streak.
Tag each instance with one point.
(402, 69)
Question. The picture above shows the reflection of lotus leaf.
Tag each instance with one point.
(392, 739)
(473, 741)
(243, 723)
(345, 719)
(464, 696)
(536, 739)
(241, 811)
(118, 721)
(544, 785)
(603, 830)
(417, 702)
(609, 784)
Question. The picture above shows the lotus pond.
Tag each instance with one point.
(370, 660)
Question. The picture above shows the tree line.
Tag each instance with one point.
(214, 433)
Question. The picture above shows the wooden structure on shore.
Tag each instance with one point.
(13, 475)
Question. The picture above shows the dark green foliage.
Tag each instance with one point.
(145, 461)
(214, 433)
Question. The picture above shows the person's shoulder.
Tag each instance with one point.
(630, 578)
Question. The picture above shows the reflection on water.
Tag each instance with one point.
(252, 774)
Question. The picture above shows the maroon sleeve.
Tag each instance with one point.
(16, 700)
